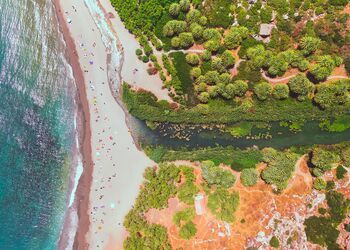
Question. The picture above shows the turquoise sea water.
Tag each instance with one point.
(36, 125)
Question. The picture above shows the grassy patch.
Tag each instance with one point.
(240, 130)
(340, 124)
(183, 71)
(217, 12)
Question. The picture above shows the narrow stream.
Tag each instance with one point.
(174, 136)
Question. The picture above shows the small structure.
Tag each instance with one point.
(265, 32)
(265, 29)
(199, 204)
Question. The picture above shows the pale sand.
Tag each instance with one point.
(118, 164)
(141, 79)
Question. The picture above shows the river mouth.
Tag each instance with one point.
(195, 136)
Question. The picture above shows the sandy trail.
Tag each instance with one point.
(118, 164)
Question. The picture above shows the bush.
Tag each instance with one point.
(274, 242)
(341, 171)
(280, 167)
(309, 44)
(223, 204)
(300, 86)
(174, 9)
(138, 52)
(345, 156)
(320, 184)
(323, 230)
(212, 45)
(263, 90)
(183, 216)
(192, 59)
(145, 59)
(227, 59)
(206, 55)
(196, 72)
(280, 91)
(186, 40)
(249, 177)
(185, 5)
(193, 16)
(215, 175)
(188, 230)
(324, 159)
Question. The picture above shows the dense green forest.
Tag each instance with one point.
(230, 75)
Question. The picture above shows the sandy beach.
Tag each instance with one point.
(117, 165)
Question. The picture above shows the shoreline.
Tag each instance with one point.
(81, 203)
(109, 186)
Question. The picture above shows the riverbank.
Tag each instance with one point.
(114, 181)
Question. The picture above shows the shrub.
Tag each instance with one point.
(274, 242)
(324, 159)
(197, 31)
(320, 184)
(215, 175)
(240, 87)
(331, 94)
(227, 59)
(263, 90)
(196, 72)
(280, 167)
(309, 44)
(223, 204)
(174, 9)
(145, 59)
(188, 230)
(138, 52)
(341, 171)
(345, 156)
(183, 216)
(203, 97)
(300, 86)
(192, 59)
(206, 55)
(185, 5)
(186, 40)
(280, 91)
(193, 16)
(174, 27)
(212, 45)
(249, 177)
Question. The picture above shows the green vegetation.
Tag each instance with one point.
(274, 242)
(340, 124)
(238, 159)
(223, 204)
(280, 167)
(158, 188)
(341, 171)
(249, 177)
(183, 216)
(188, 230)
(188, 190)
(322, 230)
(144, 105)
(215, 175)
(240, 130)
(324, 159)
(320, 184)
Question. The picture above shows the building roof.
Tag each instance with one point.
(265, 29)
